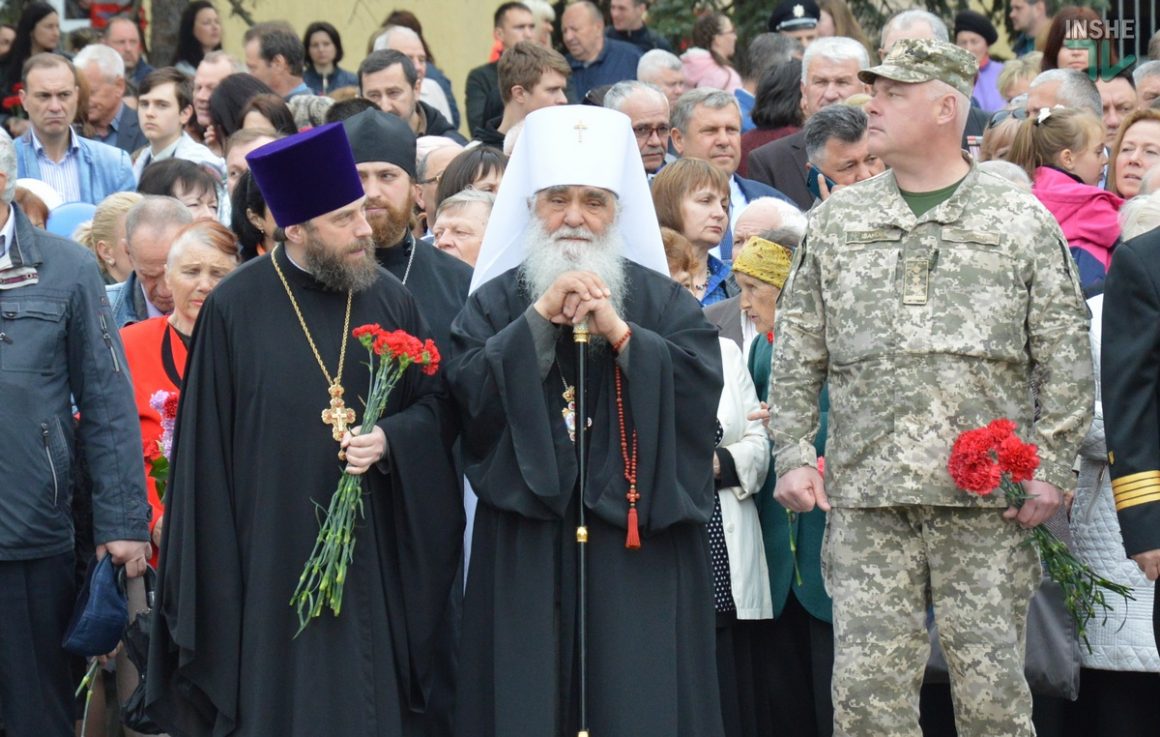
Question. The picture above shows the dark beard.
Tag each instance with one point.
(331, 268)
(388, 230)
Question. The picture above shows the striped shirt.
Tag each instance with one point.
(64, 176)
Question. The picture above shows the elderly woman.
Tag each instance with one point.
(155, 349)
(692, 198)
(460, 223)
(740, 576)
(1136, 150)
(800, 654)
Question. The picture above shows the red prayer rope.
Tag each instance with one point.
(632, 541)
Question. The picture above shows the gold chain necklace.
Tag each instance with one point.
(337, 415)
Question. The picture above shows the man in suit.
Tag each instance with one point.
(79, 169)
(707, 125)
(114, 122)
(830, 69)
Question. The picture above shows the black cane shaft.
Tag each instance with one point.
(580, 336)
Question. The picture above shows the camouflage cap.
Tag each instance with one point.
(916, 60)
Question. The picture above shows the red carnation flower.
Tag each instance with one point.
(431, 357)
(972, 465)
(1017, 458)
(1001, 429)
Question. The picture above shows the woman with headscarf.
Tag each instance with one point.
(800, 654)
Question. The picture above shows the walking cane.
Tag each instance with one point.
(580, 337)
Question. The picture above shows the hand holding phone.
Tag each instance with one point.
(813, 175)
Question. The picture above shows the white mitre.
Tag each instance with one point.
(566, 145)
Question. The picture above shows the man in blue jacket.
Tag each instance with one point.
(57, 346)
(79, 169)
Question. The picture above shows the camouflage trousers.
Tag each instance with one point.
(884, 568)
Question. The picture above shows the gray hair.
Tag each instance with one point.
(108, 61)
(908, 18)
(713, 99)
(766, 51)
(835, 48)
(620, 93)
(1010, 171)
(384, 39)
(657, 60)
(427, 145)
(8, 166)
(1147, 69)
(1075, 89)
(542, 10)
(216, 57)
(786, 235)
(1139, 215)
(844, 122)
(464, 198)
(155, 212)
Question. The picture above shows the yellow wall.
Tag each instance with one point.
(457, 31)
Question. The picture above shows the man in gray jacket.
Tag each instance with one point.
(58, 346)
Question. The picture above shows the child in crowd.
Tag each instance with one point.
(1062, 150)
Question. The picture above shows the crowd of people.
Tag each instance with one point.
(805, 264)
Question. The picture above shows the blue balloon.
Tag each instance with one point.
(64, 220)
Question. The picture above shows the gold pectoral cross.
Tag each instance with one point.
(338, 415)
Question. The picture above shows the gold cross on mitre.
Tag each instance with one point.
(580, 128)
(338, 415)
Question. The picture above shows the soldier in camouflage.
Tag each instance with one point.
(931, 297)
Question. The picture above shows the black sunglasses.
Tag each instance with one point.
(1018, 113)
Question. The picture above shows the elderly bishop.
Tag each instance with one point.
(574, 237)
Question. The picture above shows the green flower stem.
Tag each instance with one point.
(797, 573)
(1083, 588)
(325, 572)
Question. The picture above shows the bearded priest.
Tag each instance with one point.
(253, 460)
(573, 237)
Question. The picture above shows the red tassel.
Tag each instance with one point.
(632, 542)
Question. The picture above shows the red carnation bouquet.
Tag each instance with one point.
(987, 458)
(322, 579)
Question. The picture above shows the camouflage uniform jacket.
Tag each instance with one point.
(925, 327)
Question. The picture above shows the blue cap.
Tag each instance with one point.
(306, 175)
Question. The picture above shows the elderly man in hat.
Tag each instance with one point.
(255, 456)
(883, 304)
(974, 32)
(384, 152)
(574, 238)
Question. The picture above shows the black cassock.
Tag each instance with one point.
(651, 667)
(438, 280)
(251, 458)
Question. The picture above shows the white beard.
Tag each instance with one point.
(549, 256)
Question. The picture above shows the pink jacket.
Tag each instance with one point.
(1088, 216)
(701, 71)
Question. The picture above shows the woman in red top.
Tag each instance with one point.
(201, 255)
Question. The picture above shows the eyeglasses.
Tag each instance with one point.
(645, 132)
(1018, 113)
(433, 180)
